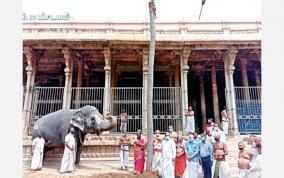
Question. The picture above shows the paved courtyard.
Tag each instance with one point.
(88, 168)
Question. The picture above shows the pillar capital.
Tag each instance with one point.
(258, 53)
(107, 56)
(244, 62)
(145, 59)
(30, 58)
(230, 55)
(229, 58)
(185, 54)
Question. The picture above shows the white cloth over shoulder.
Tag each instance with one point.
(38, 144)
(68, 160)
(168, 154)
(255, 167)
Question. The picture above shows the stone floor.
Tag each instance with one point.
(109, 167)
(88, 168)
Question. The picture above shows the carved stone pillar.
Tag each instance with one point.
(202, 98)
(114, 74)
(245, 77)
(229, 60)
(184, 71)
(215, 94)
(31, 60)
(107, 68)
(145, 90)
(79, 83)
(258, 77)
(177, 80)
(68, 78)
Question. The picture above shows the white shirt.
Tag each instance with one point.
(70, 140)
(169, 149)
(38, 144)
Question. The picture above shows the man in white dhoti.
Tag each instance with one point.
(220, 167)
(192, 158)
(68, 160)
(190, 122)
(255, 164)
(157, 155)
(124, 151)
(168, 157)
(37, 153)
(225, 121)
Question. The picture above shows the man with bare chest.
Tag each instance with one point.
(244, 159)
(220, 168)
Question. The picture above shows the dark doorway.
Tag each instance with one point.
(130, 79)
(161, 79)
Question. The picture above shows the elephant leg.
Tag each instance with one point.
(78, 154)
(80, 143)
(45, 150)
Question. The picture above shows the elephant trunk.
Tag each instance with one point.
(108, 123)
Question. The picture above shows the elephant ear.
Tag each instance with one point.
(78, 122)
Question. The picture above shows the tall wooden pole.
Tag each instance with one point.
(150, 87)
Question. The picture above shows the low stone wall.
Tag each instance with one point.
(94, 147)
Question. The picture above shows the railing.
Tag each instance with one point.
(167, 108)
(46, 100)
(248, 108)
(130, 100)
(166, 104)
(82, 96)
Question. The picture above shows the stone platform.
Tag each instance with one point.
(94, 147)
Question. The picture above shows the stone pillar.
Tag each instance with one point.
(114, 74)
(177, 80)
(215, 94)
(229, 60)
(107, 69)
(202, 99)
(258, 77)
(245, 77)
(68, 78)
(30, 57)
(79, 83)
(145, 91)
(184, 71)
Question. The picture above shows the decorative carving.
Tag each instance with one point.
(229, 58)
(31, 59)
(107, 56)
(66, 53)
(145, 58)
(185, 54)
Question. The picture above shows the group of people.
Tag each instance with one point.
(174, 155)
(69, 155)
(178, 156)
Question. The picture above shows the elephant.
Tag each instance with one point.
(54, 126)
